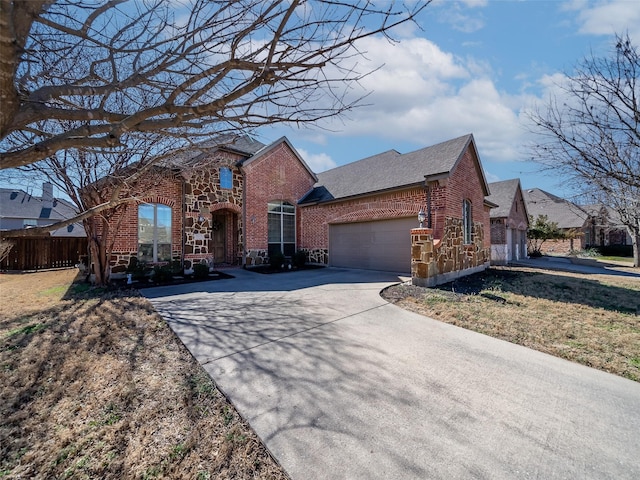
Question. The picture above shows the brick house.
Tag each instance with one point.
(360, 214)
(569, 217)
(605, 228)
(509, 222)
(237, 203)
(194, 208)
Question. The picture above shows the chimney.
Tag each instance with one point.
(47, 195)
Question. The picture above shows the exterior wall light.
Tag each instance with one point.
(421, 217)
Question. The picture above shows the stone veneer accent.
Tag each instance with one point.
(203, 196)
(317, 256)
(256, 257)
(434, 262)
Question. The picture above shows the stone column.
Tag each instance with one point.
(423, 264)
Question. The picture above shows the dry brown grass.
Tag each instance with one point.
(593, 320)
(95, 385)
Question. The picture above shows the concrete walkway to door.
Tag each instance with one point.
(340, 384)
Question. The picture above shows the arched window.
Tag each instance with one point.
(154, 232)
(282, 228)
(467, 221)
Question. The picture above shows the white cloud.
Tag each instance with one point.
(455, 14)
(318, 162)
(609, 17)
(423, 95)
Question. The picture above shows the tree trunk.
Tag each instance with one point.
(99, 258)
(16, 19)
(635, 240)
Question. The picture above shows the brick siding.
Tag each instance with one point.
(276, 175)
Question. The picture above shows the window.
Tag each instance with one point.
(282, 228)
(29, 222)
(226, 179)
(154, 233)
(467, 221)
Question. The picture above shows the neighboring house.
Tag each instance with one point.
(569, 217)
(19, 209)
(509, 222)
(61, 247)
(242, 201)
(605, 228)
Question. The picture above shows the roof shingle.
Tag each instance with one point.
(387, 170)
(503, 194)
(563, 212)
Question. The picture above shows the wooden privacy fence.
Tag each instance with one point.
(45, 252)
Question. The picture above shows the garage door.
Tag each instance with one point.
(381, 245)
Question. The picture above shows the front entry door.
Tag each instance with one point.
(218, 237)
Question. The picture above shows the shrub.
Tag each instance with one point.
(300, 258)
(176, 267)
(541, 230)
(590, 252)
(162, 274)
(616, 250)
(137, 269)
(200, 270)
(277, 260)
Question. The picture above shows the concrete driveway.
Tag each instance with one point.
(340, 384)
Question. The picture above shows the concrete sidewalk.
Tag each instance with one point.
(584, 266)
(340, 384)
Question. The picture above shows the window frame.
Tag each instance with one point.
(286, 236)
(156, 242)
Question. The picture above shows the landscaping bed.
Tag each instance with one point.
(269, 269)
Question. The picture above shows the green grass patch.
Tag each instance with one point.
(614, 258)
(57, 290)
(27, 330)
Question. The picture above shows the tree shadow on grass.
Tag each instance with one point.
(549, 286)
(99, 387)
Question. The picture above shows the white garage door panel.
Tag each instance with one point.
(382, 245)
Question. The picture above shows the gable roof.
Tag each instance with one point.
(604, 212)
(503, 194)
(268, 148)
(563, 212)
(17, 204)
(240, 144)
(391, 170)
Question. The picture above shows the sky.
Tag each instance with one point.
(473, 66)
(469, 66)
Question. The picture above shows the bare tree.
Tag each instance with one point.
(95, 92)
(5, 247)
(591, 132)
(178, 68)
(625, 201)
(98, 185)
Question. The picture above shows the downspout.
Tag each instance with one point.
(427, 187)
(184, 222)
(244, 217)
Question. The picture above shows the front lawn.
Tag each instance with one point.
(589, 319)
(96, 385)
